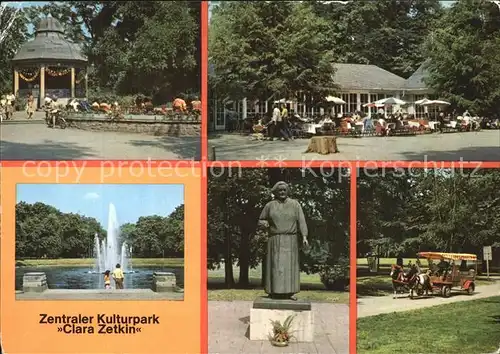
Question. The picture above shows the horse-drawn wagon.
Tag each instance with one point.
(448, 274)
(454, 271)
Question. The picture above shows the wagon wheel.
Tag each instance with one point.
(446, 291)
(420, 291)
(470, 289)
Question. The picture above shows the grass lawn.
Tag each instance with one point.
(86, 262)
(311, 288)
(470, 327)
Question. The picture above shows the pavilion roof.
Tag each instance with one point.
(416, 80)
(366, 77)
(49, 44)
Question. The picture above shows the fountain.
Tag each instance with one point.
(109, 252)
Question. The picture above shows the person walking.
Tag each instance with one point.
(118, 277)
(285, 129)
(275, 121)
(30, 106)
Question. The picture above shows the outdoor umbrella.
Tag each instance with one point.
(373, 105)
(422, 102)
(390, 101)
(283, 100)
(436, 103)
(335, 100)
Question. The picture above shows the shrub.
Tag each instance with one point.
(333, 270)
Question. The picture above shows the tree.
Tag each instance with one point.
(392, 39)
(151, 47)
(235, 201)
(269, 49)
(434, 210)
(14, 34)
(463, 54)
(44, 231)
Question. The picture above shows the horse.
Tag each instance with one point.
(399, 280)
(420, 283)
(402, 281)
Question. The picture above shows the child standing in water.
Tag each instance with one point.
(107, 280)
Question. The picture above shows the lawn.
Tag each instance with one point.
(471, 327)
(86, 262)
(311, 288)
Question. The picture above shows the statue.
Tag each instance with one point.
(284, 219)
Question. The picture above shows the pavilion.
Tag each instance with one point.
(50, 65)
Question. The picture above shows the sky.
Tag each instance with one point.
(131, 200)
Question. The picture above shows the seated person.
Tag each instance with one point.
(443, 268)
(104, 107)
(74, 105)
(179, 105)
(196, 104)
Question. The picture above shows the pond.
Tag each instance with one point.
(83, 278)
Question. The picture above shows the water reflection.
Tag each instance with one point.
(80, 278)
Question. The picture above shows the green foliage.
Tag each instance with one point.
(471, 327)
(434, 210)
(235, 201)
(267, 48)
(15, 37)
(44, 231)
(281, 331)
(149, 47)
(464, 56)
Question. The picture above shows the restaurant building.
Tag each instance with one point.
(358, 84)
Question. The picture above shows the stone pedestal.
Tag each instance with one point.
(323, 145)
(164, 282)
(34, 282)
(265, 310)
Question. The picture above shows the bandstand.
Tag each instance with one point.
(50, 65)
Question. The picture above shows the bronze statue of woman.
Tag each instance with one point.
(284, 219)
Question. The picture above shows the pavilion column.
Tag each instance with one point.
(86, 83)
(73, 82)
(16, 81)
(358, 101)
(244, 108)
(42, 85)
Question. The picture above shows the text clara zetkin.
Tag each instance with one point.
(99, 324)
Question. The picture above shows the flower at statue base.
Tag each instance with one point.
(281, 332)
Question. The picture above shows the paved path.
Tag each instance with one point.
(228, 326)
(376, 305)
(472, 146)
(37, 142)
(112, 294)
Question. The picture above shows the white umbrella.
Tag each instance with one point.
(335, 100)
(390, 101)
(436, 103)
(421, 102)
(373, 105)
